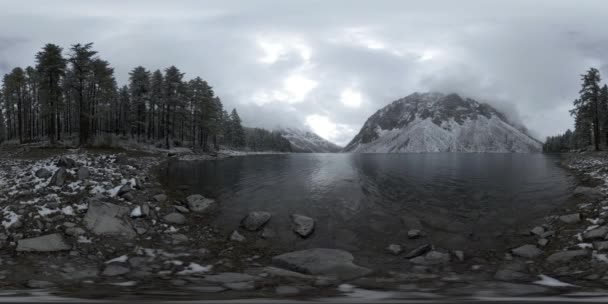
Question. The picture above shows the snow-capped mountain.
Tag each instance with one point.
(435, 122)
(305, 141)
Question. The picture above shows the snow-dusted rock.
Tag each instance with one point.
(414, 233)
(255, 220)
(126, 188)
(199, 204)
(66, 162)
(394, 249)
(321, 261)
(109, 219)
(302, 225)
(595, 234)
(49, 242)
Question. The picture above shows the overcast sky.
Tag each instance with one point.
(327, 65)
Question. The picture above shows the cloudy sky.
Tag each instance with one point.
(327, 65)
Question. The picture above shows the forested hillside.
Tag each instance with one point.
(73, 96)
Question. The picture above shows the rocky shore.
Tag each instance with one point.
(90, 224)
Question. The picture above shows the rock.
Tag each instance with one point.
(547, 234)
(321, 261)
(109, 219)
(181, 209)
(411, 222)
(255, 220)
(268, 233)
(66, 162)
(230, 277)
(241, 286)
(512, 271)
(283, 273)
(126, 188)
(179, 238)
(199, 204)
(59, 177)
(237, 237)
(160, 198)
(129, 196)
(592, 193)
(145, 209)
(286, 290)
(570, 218)
(542, 242)
(74, 231)
(459, 255)
(394, 249)
(83, 173)
(39, 284)
(136, 212)
(538, 231)
(45, 243)
(418, 251)
(566, 256)
(43, 173)
(414, 233)
(597, 233)
(114, 269)
(175, 218)
(302, 225)
(601, 246)
(431, 258)
(527, 251)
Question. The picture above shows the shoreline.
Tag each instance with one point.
(181, 254)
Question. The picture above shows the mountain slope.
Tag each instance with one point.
(434, 122)
(305, 141)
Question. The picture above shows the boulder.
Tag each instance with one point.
(394, 249)
(566, 256)
(43, 173)
(199, 204)
(83, 173)
(591, 193)
(59, 177)
(237, 237)
(126, 188)
(538, 231)
(302, 225)
(66, 162)
(431, 258)
(570, 218)
(175, 218)
(321, 261)
(414, 233)
(109, 219)
(45, 243)
(160, 198)
(595, 234)
(115, 269)
(255, 220)
(527, 251)
(542, 242)
(601, 246)
(418, 251)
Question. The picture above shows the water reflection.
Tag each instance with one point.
(365, 201)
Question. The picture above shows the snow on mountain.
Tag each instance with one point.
(435, 122)
(305, 141)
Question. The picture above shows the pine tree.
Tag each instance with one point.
(588, 105)
(238, 134)
(139, 86)
(50, 66)
(81, 61)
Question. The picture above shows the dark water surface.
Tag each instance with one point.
(361, 201)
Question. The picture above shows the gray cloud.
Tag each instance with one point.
(524, 57)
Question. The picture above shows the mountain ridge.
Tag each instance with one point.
(308, 142)
(437, 122)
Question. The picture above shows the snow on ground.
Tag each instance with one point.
(551, 282)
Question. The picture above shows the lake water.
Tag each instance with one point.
(361, 201)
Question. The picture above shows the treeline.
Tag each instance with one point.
(258, 139)
(590, 114)
(76, 97)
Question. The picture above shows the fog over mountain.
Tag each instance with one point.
(327, 66)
